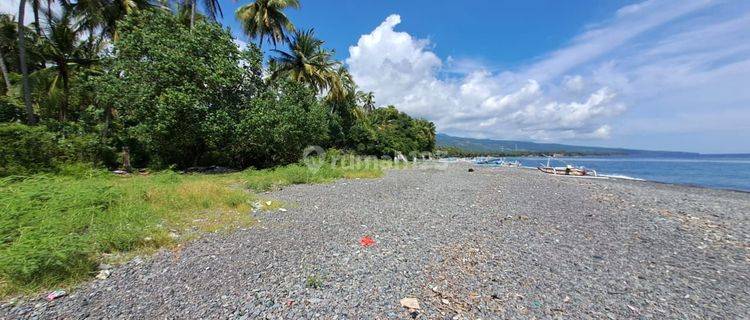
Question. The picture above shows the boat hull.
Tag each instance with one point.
(563, 171)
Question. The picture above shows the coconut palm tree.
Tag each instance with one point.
(61, 46)
(340, 83)
(367, 100)
(22, 62)
(9, 49)
(305, 61)
(105, 14)
(212, 8)
(4, 70)
(7, 37)
(36, 5)
(266, 19)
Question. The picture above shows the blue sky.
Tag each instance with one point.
(666, 74)
(481, 31)
(653, 74)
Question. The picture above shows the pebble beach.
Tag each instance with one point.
(493, 243)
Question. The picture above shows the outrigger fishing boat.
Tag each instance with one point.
(567, 170)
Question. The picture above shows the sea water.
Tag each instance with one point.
(723, 172)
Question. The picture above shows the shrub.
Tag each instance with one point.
(25, 149)
(11, 109)
(177, 92)
(279, 125)
(386, 131)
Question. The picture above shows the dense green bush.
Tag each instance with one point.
(279, 125)
(25, 150)
(11, 109)
(387, 131)
(182, 97)
(177, 92)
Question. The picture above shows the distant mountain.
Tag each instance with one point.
(506, 146)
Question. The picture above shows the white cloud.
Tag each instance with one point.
(242, 45)
(11, 7)
(667, 61)
(402, 71)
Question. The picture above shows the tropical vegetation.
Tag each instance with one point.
(166, 86)
(160, 86)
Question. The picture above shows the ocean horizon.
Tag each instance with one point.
(730, 172)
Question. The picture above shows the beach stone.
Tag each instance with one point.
(501, 243)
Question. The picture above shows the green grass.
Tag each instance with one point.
(55, 229)
(314, 282)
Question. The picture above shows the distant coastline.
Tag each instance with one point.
(470, 147)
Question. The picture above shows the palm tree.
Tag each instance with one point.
(62, 47)
(212, 7)
(266, 18)
(340, 83)
(36, 5)
(7, 36)
(367, 99)
(4, 70)
(105, 14)
(305, 62)
(22, 62)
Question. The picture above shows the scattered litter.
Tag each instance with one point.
(103, 274)
(268, 203)
(445, 301)
(536, 304)
(282, 209)
(471, 169)
(410, 303)
(120, 172)
(566, 299)
(366, 241)
(56, 295)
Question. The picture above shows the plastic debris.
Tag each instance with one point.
(410, 303)
(366, 241)
(56, 295)
(103, 274)
(282, 209)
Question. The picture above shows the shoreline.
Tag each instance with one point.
(628, 178)
(493, 243)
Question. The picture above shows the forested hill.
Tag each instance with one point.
(509, 146)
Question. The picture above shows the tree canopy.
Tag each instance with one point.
(137, 78)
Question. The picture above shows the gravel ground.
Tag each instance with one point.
(494, 243)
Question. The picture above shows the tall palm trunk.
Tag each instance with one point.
(4, 70)
(49, 10)
(22, 61)
(35, 6)
(66, 89)
(107, 122)
(192, 13)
